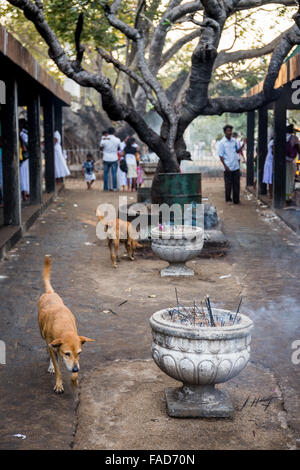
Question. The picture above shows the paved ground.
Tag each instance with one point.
(120, 402)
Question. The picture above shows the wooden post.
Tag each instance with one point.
(34, 148)
(279, 165)
(262, 148)
(250, 147)
(59, 120)
(49, 144)
(10, 156)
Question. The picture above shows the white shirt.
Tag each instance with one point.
(130, 159)
(110, 144)
(228, 149)
(123, 145)
(24, 136)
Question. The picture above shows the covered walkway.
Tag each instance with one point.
(25, 87)
(259, 124)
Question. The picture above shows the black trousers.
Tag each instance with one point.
(232, 184)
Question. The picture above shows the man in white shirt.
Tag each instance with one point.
(110, 145)
(229, 155)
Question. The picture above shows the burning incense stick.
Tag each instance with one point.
(177, 299)
(238, 309)
(210, 311)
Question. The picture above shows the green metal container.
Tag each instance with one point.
(180, 188)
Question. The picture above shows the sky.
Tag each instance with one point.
(264, 20)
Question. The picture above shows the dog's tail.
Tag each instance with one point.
(107, 223)
(46, 275)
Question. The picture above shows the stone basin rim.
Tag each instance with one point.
(186, 232)
(170, 328)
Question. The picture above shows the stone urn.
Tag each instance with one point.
(200, 357)
(149, 169)
(177, 244)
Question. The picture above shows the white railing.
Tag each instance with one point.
(205, 159)
(77, 156)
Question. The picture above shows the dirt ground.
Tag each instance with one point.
(120, 401)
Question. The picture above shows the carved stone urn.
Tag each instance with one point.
(200, 357)
(177, 244)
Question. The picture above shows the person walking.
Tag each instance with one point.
(61, 167)
(229, 155)
(292, 149)
(268, 168)
(88, 170)
(24, 160)
(110, 145)
(123, 165)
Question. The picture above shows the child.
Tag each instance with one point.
(88, 168)
(130, 154)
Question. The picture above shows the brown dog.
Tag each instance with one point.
(119, 231)
(58, 328)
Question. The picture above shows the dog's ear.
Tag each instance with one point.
(55, 343)
(84, 339)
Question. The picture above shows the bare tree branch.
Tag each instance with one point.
(178, 45)
(197, 101)
(203, 60)
(174, 90)
(226, 57)
(173, 13)
(111, 12)
(110, 59)
(148, 77)
(115, 110)
(224, 104)
(140, 8)
(247, 4)
(79, 48)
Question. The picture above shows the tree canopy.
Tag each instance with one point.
(170, 55)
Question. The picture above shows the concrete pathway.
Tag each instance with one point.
(120, 401)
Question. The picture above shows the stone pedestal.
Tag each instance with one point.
(198, 401)
(177, 269)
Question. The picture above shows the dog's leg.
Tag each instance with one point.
(130, 250)
(51, 369)
(74, 379)
(114, 253)
(59, 384)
